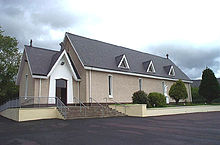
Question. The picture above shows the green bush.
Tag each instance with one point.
(140, 97)
(178, 91)
(196, 98)
(157, 98)
(216, 100)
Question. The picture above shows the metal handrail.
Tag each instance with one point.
(14, 103)
(100, 105)
(117, 103)
(62, 108)
(81, 105)
(37, 101)
(27, 101)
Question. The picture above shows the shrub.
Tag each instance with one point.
(196, 98)
(157, 98)
(140, 97)
(178, 91)
(216, 100)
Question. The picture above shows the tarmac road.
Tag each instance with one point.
(187, 129)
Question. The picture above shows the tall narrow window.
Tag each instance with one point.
(110, 87)
(140, 84)
(26, 85)
(163, 87)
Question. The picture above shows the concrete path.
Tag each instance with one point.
(193, 129)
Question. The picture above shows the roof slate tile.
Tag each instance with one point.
(94, 53)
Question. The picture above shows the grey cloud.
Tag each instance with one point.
(11, 12)
(192, 60)
(55, 18)
(28, 19)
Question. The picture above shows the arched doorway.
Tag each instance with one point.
(61, 90)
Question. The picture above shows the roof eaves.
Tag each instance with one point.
(29, 64)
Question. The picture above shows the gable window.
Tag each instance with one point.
(123, 63)
(172, 72)
(140, 84)
(151, 67)
(110, 87)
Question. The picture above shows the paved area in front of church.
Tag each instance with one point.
(197, 128)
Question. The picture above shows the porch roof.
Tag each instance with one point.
(42, 60)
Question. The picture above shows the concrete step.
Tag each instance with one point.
(92, 112)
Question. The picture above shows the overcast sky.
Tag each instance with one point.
(188, 30)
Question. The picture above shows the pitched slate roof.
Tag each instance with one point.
(99, 54)
(42, 60)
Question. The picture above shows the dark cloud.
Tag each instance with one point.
(28, 19)
(192, 60)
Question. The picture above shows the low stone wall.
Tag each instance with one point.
(181, 110)
(140, 110)
(26, 114)
(131, 109)
(12, 113)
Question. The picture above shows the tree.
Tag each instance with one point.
(196, 98)
(209, 86)
(178, 91)
(9, 63)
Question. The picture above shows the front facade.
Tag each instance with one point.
(86, 68)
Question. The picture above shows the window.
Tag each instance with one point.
(26, 85)
(172, 72)
(151, 67)
(123, 63)
(140, 84)
(110, 89)
(163, 87)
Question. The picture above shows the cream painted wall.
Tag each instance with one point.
(12, 113)
(80, 69)
(124, 86)
(26, 70)
(75, 89)
(43, 89)
(27, 114)
(61, 72)
(140, 110)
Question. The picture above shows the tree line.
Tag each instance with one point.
(9, 62)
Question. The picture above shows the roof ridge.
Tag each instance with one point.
(47, 49)
(116, 45)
